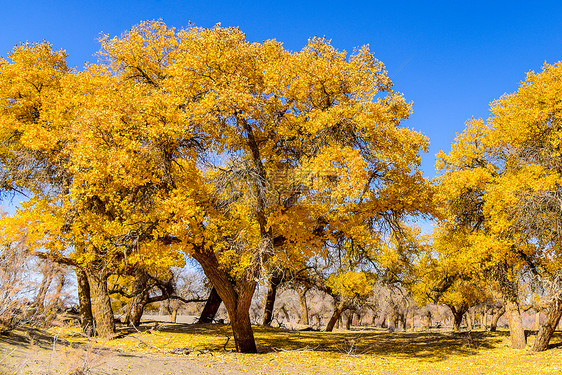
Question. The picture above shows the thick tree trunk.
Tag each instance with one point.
(516, 331)
(211, 307)
(270, 299)
(236, 296)
(242, 330)
(139, 298)
(101, 304)
(458, 314)
(304, 306)
(85, 305)
(495, 317)
(340, 307)
(546, 330)
(457, 321)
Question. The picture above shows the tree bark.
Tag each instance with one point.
(48, 273)
(236, 296)
(101, 304)
(516, 331)
(458, 313)
(139, 298)
(174, 314)
(546, 330)
(211, 307)
(457, 321)
(85, 304)
(270, 299)
(304, 306)
(340, 307)
(56, 302)
(348, 320)
(495, 317)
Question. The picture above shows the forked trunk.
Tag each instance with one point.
(270, 299)
(458, 314)
(211, 307)
(85, 305)
(546, 330)
(340, 307)
(516, 331)
(495, 317)
(101, 304)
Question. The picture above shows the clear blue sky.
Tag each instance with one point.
(450, 58)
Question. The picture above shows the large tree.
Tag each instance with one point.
(245, 156)
(502, 187)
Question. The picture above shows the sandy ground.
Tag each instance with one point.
(30, 351)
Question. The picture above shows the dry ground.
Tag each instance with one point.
(208, 349)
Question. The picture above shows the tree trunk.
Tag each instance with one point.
(458, 314)
(485, 319)
(457, 320)
(495, 317)
(56, 302)
(85, 304)
(427, 320)
(242, 331)
(469, 321)
(546, 330)
(174, 314)
(236, 296)
(270, 299)
(101, 304)
(44, 287)
(139, 298)
(304, 306)
(211, 307)
(340, 307)
(348, 320)
(516, 331)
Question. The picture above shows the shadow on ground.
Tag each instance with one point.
(432, 346)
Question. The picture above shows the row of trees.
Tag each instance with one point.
(265, 165)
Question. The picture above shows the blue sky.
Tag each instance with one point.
(449, 58)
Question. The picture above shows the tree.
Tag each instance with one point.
(243, 155)
(508, 172)
(526, 126)
(471, 172)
